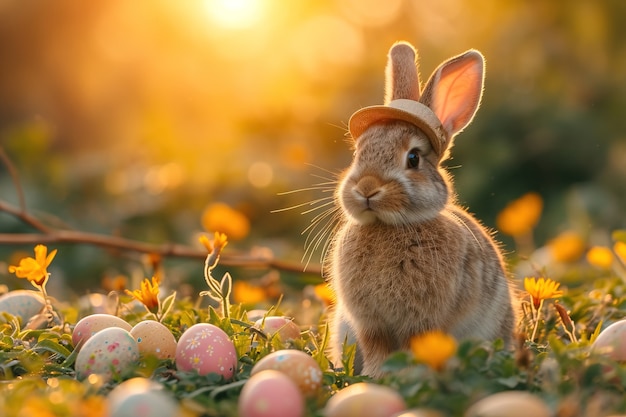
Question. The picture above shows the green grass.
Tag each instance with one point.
(37, 366)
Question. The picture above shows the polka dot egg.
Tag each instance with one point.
(153, 338)
(90, 325)
(109, 353)
(301, 368)
(206, 348)
(22, 303)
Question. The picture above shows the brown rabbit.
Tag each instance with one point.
(406, 259)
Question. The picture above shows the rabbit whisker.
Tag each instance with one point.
(328, 203)
(462, 222)
(318, 232)
(308, 203)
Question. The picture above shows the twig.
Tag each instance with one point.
(164, 250)
(23, 215)
(15, 177)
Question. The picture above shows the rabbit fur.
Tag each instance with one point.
(406, 259)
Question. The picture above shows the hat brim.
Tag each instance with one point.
(405, 110)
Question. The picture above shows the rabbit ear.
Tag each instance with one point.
(454, 90)
(401, 76)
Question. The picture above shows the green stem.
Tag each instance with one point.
(532, 338)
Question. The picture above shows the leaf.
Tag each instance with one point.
(596, 332)
(397, 361)
(347, 357)
(211, 295)
(226, 285)
(71, 358)
(168, 303)
(214, 318)
(51, 346)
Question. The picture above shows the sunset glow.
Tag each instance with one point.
(235, 14)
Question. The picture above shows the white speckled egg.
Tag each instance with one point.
(365, 400)
(153, 338)
(22, 303)
(509, 404)
(141, 397)
(108, 353)
(612, 341)
(301, 368)
(270, 394)
(206, 348)
(285, 328)
(90, 325)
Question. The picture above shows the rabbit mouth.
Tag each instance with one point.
(371, 209)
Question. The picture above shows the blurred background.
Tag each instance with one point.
(135, 118)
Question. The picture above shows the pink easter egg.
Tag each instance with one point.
(270, 393)
(92, 324)
(206, 348)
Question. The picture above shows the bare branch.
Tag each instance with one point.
(15, 177)
(24, 217)
(49, 235)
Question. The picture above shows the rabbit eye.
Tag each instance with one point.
(413, 159)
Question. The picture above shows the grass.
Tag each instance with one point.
(37, 375)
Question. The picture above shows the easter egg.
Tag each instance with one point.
(509, 404)
(206, 348)
(153, 338)
(254, 315)
(22, 303)
(420, 412)
(108, 353)
(612, 341)
(301, 368)
(90, 325)
(270, 394)
(141, 397)
(285, 328)
(365, 400)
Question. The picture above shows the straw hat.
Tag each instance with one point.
(406, 110)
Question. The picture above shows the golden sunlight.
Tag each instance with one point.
(235, 14)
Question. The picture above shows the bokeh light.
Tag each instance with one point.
(132, 118)
(235, 13)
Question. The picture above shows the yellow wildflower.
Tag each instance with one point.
(566, 247)
(541, 289)
(246, 293)
(220, 240)
(433, 348)
(206, 243)
(620, 250)
(35, 269)
(148, 295)
(520, 216)
(220, 217)
(600, 256)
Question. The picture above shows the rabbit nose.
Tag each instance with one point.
(367, 187)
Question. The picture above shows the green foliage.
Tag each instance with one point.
(38, 364)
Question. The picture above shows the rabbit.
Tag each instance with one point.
(405, 258)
